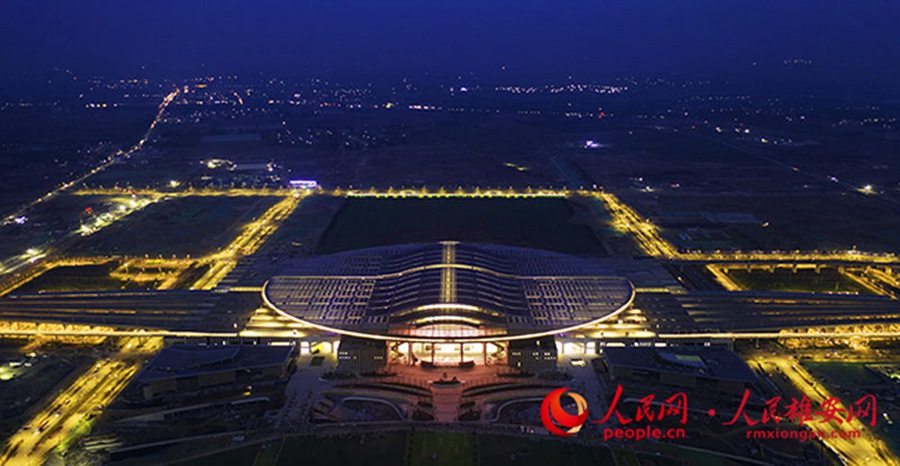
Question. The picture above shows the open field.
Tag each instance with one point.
(709, 192)
(536, 223)
(819, 220)
(442, 449)
(52, 219)
(58, 144)
(179, 226)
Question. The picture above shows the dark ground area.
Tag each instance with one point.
(538, 223)
(179, 226)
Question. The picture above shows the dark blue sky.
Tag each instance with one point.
(391, 37)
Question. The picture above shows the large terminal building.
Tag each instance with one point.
(448, 303)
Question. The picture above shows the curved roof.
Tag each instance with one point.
(448, 292)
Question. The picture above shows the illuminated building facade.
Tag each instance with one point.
(448, 302)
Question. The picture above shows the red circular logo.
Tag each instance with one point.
(559, 421)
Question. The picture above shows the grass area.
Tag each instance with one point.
(179, 226)
(827, 280)
(497, 449)
(78, 278)
(382, 449)
(268, 454)
(433, 448)
(442, 449)
(537, 223)
(83, 428)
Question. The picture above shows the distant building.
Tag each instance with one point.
(304, 184)
(182, 370)
(686, 366)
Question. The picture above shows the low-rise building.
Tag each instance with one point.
(182, 370)
(684, 366)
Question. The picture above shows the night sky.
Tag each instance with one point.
(544, 39)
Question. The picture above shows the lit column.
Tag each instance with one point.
(448, 274)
